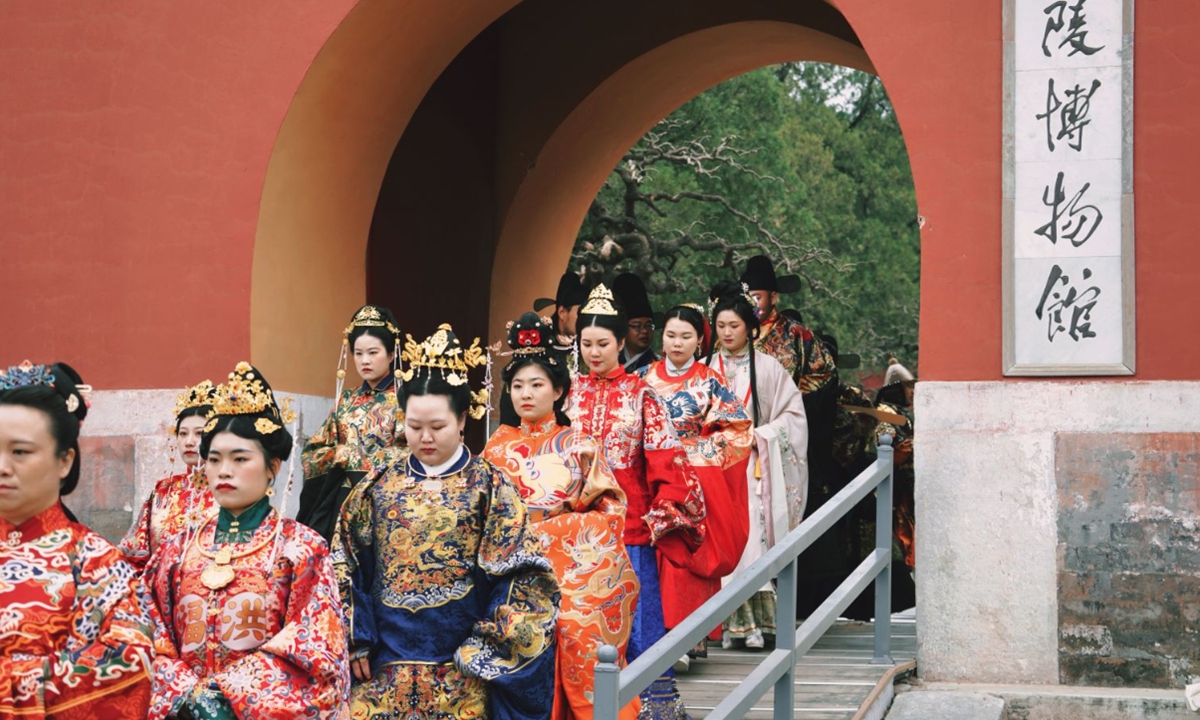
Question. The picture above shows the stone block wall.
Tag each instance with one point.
(1057, 532)
(1128, 558)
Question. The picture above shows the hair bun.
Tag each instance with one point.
(725, 289)
(530, 335)
(70, 386)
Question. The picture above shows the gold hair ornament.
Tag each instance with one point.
(370, 316)
(367, 316)
(600, 302)
(245, 394)
(196, 396)
(442, 352)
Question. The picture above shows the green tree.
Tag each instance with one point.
(803, 162)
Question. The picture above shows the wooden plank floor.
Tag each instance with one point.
(832, 680)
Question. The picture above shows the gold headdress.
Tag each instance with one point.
(198, 396)
(442, 352)
(371, 316)
(367, 316)
(247, 394)
(600, 302)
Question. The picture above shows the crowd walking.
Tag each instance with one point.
(624, 484)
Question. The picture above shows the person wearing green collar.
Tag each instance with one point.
(248, 614)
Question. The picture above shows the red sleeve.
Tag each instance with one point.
(677, 502)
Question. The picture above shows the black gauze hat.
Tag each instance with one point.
(631, 291)
(760, 275)
(569, 294)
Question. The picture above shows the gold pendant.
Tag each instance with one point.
(216, 576)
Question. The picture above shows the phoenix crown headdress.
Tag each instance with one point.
(27, 374)
(24, 375)
(442, 352)
(245, 394)
(370, 316)
(200, 395)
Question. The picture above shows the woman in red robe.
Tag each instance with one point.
(577, 509)
(179, 502)
(666, 510)
(74, 637)
(249, 623)
(717, 434)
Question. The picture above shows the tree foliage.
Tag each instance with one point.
(803, 162)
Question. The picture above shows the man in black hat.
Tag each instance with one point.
(567, 300)
(629, 289)
(800, 351)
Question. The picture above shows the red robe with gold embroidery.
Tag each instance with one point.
(717, 434)
(578, 510)
(74, 637)
(634, 430)
(176, 506)
(271, 642)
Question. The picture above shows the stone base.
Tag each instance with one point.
(1057, 531)
(1041, 702)
(946, 705)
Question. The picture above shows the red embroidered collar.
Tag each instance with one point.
(47, 521)
(615, 374)
(660, 368)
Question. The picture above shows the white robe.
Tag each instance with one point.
(781, 452)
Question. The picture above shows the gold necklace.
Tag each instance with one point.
(219, 573)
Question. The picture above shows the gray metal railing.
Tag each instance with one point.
(616, 687)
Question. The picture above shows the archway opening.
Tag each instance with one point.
(806, 164)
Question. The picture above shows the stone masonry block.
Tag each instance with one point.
(946, 705)
(106, 477)
(1129, 542)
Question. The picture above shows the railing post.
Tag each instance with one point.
(785, 639)
(883, 541)
(608, 685)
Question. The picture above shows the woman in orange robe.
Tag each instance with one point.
(577, 508)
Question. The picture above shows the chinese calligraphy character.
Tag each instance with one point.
(193, 618)
(1076, 35)
(244, 622)
(1072, 114)
(1080, 305)
(1078, 218)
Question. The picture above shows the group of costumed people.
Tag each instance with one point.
(420, 580)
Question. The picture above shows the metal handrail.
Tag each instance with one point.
(614, 687)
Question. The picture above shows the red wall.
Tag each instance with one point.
(134, 138)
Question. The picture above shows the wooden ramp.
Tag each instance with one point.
(833, 681)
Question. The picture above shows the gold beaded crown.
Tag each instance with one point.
(247, 394)
(442, 352)
(195, 397)
(600, 302)
(370, 316)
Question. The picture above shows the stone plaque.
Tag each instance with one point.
(1068, 187)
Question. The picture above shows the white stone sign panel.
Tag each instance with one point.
(1068, 188)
